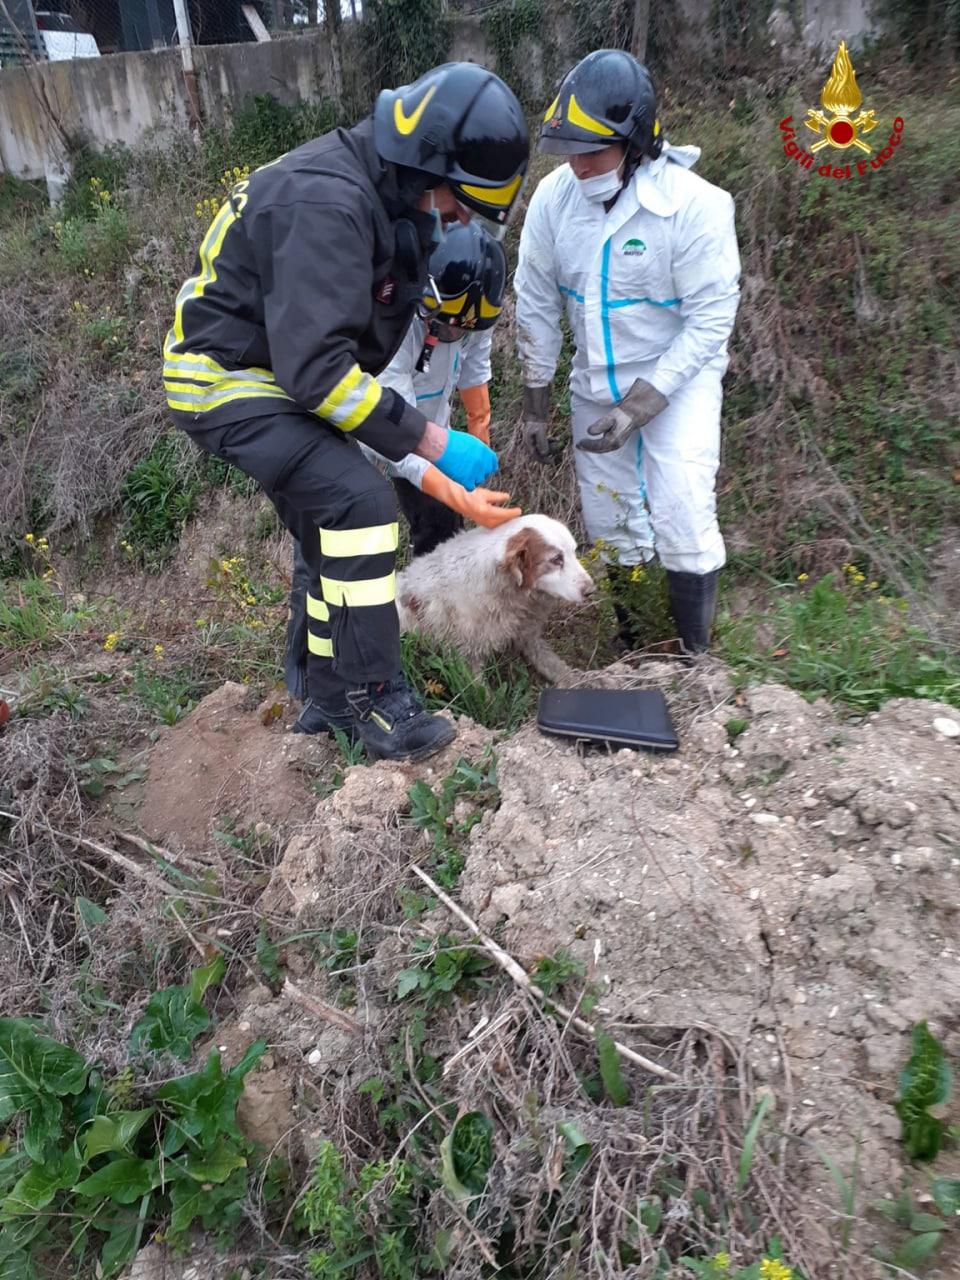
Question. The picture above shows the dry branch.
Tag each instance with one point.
(519, 975)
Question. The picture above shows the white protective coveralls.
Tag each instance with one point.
(465, 363)
(651, 291)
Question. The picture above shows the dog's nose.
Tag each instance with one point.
(588, 588)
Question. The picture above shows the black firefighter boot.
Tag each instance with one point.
(693, 602)
(393, 725)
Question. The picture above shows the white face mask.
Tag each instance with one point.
(602, 186)
(439, 232)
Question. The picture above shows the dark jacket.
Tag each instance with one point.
(305, 285)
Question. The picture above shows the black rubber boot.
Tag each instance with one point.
(693, 602)
(618, 576)
(393, 725)
(295, 642)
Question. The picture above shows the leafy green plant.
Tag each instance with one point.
(925, 1082)
(157, 499)
(555, 971)
(336, 1212)
(610, 1071)
(168, 694)
(444, 968)
(175, 1016)
(924, 1230)
(466, 1154)
(87, 1176)
(99, 772)
(434, 811)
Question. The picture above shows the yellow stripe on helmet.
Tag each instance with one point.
(487, 310)
(552, 108)
(498, 197)
(577, 116)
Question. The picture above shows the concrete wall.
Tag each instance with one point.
(124, 97)
(114, 99)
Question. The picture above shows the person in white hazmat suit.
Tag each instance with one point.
(642, 255)
(446, 349)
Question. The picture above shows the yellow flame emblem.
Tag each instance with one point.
(840, 97)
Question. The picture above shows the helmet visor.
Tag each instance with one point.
(551, 145)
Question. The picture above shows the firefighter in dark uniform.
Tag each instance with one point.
(305, 285)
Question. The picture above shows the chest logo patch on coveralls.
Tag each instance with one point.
(633, 249)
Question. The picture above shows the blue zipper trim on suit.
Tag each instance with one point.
(431, 395)
(629, 302)
(605, 317)
(640, 481)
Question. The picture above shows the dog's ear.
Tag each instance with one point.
(522, 557)
(411, 603)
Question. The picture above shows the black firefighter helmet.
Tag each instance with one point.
(464, 126)
(608, 97)
(469, 270)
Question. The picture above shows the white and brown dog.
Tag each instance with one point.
(490, 590)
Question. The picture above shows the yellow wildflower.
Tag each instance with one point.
(434, 687)
(158, 654)
(872, 586)
(111, 642)
(721, 1261)
(803, 577)
(771, 1269)
(637, 573)
(201, 622)
(29, 538)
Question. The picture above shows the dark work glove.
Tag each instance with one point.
(536, 412)
(641, 403)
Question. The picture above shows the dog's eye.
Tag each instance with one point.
(558, 558)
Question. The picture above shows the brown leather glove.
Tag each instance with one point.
(641, 404)
(476, 401)
(536, 413)
(482, 506)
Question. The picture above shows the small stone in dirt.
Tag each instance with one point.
(947, 727)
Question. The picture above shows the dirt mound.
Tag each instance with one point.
(231, 758)
(795, 890)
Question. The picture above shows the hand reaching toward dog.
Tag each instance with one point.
(460, 456)
(486, 507)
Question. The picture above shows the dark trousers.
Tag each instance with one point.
(430, 524)
(343, 514)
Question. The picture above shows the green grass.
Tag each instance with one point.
(500, 698)
(843, 641)
(33, 614)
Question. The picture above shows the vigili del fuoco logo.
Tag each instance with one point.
(836, 126)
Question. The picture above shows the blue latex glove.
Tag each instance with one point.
(467, 460)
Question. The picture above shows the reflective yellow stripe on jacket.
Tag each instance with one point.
(195, 383)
